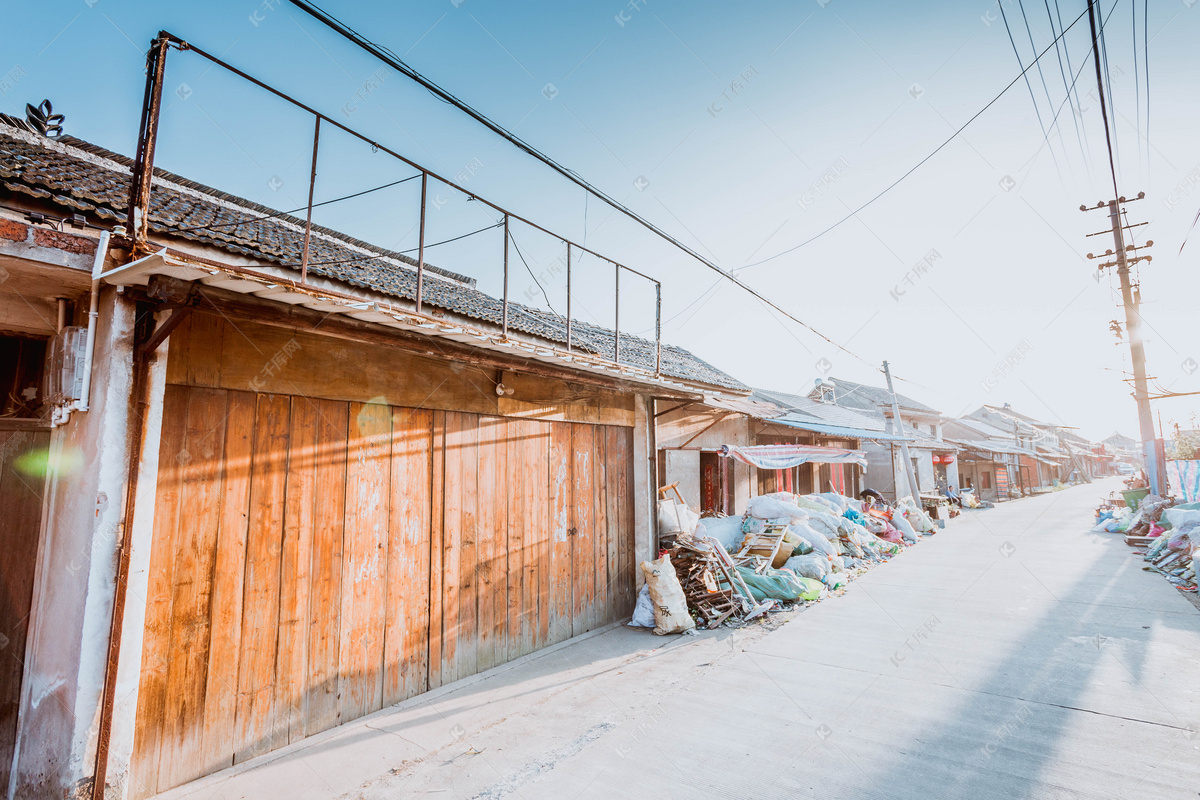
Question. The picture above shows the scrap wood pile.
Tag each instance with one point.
(1169, 533)
(788, 549)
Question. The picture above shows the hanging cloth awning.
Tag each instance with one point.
(786, 456)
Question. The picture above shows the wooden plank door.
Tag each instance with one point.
(583, 530)
(562, 500)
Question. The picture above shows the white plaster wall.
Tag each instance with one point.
(925, 475)
(683, 467)
(71, 614)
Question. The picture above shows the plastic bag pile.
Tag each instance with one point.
(1171, 535)
(1175, 549)
(829, 539)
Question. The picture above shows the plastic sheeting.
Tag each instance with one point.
(786, 456)
(1184, 477)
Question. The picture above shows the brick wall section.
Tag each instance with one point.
(13, 230)
(43, 237)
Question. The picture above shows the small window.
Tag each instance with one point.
(22, 364)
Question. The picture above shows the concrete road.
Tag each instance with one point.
(1013, 655)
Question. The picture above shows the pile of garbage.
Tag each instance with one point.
(1169, 533)
(786, 551)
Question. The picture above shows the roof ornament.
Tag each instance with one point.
(39, 119)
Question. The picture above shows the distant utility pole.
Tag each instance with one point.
(914, 489)
(1131, 299)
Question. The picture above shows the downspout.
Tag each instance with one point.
(93, 314)
(62, 414)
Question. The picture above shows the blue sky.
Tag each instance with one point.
(744, 131)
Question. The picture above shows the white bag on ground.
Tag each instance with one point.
(670, 606)
(813, 565)
(839, 500)
(675, 517)
(905, 527)
(726, 530)
(1178, 517)
(643, 612)
(819, 543)
(825, 523)
(765, 507)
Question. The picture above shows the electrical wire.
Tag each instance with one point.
(1112, 106)
(1075, 77)
(1078, 113)
(1036, 109)
(293, 211)
(1063, 73)
(516, 246)
(1041, 75)
(1146, 74)
(1112, 164)
(920, 163)
(391, 59)
(391, 255)
(1137, 83)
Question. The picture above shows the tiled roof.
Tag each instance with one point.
(871, 398)
(829, 413)
(83, 177)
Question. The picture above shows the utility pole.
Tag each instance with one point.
(914, 489)
(1017, 456)
(1131, 300)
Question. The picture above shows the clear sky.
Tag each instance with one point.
(743, 129)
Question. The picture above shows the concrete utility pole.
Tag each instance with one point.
(1017, 456)
(1133, 328)
(914, 489)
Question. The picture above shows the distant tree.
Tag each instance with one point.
(1185, 444)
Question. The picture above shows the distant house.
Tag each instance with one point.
(998, 463)
(934, 460)
(1055, 452)
(692, 435)
(1123, 449)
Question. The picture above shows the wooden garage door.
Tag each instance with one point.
(316, 560)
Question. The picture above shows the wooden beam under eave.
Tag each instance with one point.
(236, 305)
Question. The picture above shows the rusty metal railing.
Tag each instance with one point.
(143, 168)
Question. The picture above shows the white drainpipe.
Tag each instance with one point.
(62, 414)
(93, 313)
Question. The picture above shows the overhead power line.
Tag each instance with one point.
(920, 163)
(1041, 75)
(391, 59)
(1036, 108)
(1112, 164)
(249, 220)
(1063, 72)
(1107, 87)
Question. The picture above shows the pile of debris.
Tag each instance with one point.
(1169, 532)
(786, 551)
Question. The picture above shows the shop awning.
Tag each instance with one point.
(786, 456)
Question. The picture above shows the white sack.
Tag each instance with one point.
(643, 612)
(670, 606)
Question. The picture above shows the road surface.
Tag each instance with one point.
(1013, 655)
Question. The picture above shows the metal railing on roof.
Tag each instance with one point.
(143, 170)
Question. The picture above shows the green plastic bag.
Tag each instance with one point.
(777, 584)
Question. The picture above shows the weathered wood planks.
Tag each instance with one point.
(315, 560)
